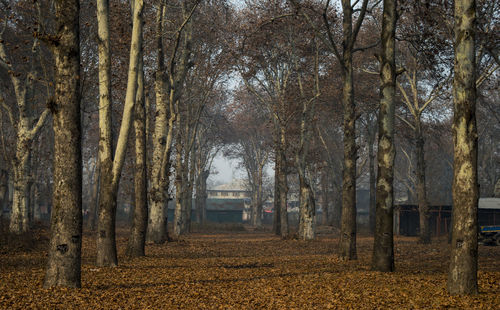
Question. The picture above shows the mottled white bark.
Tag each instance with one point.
(383, 246)
(462, 275)
(25, 133)
(106, 242)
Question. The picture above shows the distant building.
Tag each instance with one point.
(407, 222)
(234, 190)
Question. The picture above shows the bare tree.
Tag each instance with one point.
(111, 166)
(24, 122)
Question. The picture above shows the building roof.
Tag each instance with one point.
(235, 185)
(489, 203)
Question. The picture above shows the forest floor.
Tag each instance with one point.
(249, 270)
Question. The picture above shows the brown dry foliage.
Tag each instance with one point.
(251, 270)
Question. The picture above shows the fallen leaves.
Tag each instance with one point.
(251, 271)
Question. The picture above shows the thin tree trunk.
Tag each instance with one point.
(462, 276)
(4, 193)
(283, 185)
(137, 240)
(307, 210)
(201, 196)
(107, 201)
(423, 206)
(383, 247)
(277, 203)
(324, 199)
(159, 184)
(64, 263)
(337, 207)
(189, 179)
(373, 202)
(179, 194)
(106, 240)
(94, 201)
(348, 221)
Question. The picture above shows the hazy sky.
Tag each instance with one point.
(226, 168)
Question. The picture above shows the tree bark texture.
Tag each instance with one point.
(64, 262)
(92, 222)
(137, 240)
(423, 205)
(179, 193)
(383, 247)
(283, 183)
(325, 198)
(348, 221)
(373, 187)
(201, 196)
(107, 199)
(106, 240)
(19, 219)
(307, 210)
(462, 276)
(277, 204)
(159, 183)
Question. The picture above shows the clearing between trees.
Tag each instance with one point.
(249, 270)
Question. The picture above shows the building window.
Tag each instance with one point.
(236, 194)
(224, 194)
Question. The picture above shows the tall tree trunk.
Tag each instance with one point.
(307, 210)
(94, 201)
(283, 184)
(423, 206)
(64, 262)
(4, 193)
(137, 240)
(106, 240)
(277, 197)
(179, 194)
(201, 196)
(159, 184)
(373, 202)
(325, 198)
(107, 201)
(383, 246)
(19, 219)
(189, 181)
(462, 276)
(348, 222)
(337, 206)
(256, 219)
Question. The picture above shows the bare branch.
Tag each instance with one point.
(364, 48)
(486, 75)
(358, 24)
(39, 123)
(405, 121)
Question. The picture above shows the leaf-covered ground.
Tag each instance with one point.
(251, 270)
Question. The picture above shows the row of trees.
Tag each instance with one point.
(300, 64)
